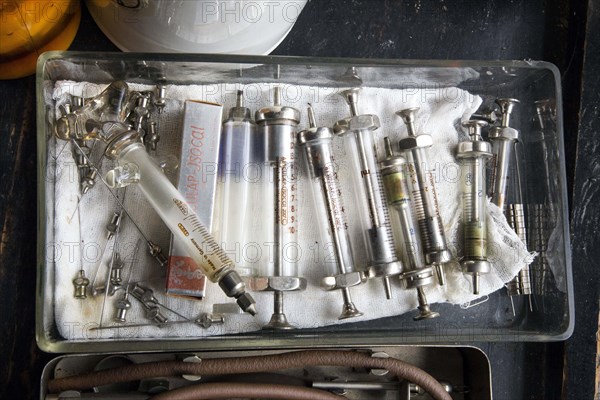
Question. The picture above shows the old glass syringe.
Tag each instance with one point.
(374, 215)
(237, 155)
(473, 155)
(327, 196)
(276, 128)
(504, 141)
(126, 147)
(417, 274)
(424, 195)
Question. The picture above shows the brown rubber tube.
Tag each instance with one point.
(234, 390)
(243, 365)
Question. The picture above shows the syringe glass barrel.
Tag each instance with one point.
(277, 128)
(239, 173)
(425, 195)
(395, 179)
(180, 218)
(503, 153)
(474, 208)
(375, 218)
(503, 139)
(327, 196)
(473, 155)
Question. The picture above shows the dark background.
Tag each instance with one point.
(562, 32)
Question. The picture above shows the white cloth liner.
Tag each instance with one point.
(441, 112)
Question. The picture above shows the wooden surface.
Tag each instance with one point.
(581, 350)
(550, 30)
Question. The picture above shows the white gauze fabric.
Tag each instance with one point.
(441, 112)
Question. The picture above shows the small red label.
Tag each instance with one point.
(185, 278)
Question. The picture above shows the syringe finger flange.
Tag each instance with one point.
(342, 281)
(366, 122)
(276, 283)
(438, 256)
(418, 277)
(342, 126)
(383, 270)
(503, 132)
(415, 142)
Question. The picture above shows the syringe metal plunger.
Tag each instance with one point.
(424, 195)
(381, 249)
(277, 125)
(473, 155)
(322, 174)
(503, 139)
(127, 147)
(417, 274)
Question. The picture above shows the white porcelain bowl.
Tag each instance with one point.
(202, 26)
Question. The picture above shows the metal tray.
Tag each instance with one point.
(493, 320)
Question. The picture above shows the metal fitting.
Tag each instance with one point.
(276, 283)
(364, 122)
(342, 280)
(417, 278)
(414, 142)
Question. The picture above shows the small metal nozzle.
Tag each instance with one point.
(476, 283)
(389, 151)
(89, 180)
(160, 100)
(233, 286)
(387, 287)
(66, 108)
(113, 226)
(251, 309)
(408, 116)
(122, 307)
(156, 252)
(277, 96)
(239, 99)
(81, 283)
(312, 122)
(440, 273)
(77, 102)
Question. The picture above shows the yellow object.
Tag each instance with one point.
(30, 27)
